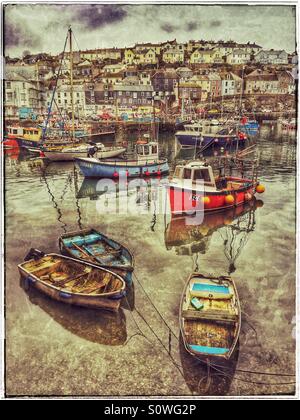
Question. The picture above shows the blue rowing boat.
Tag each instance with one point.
(95, 247)
(146, 164)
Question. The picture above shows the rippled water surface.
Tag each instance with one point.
(55, 349)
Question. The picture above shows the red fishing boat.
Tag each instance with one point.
(194, 188)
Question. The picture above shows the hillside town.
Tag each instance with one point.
(198, 75)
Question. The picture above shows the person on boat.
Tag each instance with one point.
(92, 150)
(221, 181)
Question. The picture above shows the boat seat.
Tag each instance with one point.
(209, 350)
(210, 291)
(209, 315)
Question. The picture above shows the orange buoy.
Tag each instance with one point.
(260, 188)
(205, 200)
(229, 199)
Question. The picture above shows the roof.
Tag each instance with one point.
(173, 51)
(166, 74)
(133, 88)
(184, 69)
(230, 76)
(238, 51)
(271, 52)
(258, 75)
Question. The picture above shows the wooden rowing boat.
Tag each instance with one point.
(95, 247)
(210, 316)
(69, 280)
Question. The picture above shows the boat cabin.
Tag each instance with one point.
(28, 133)
(147, 152)
(195, 171)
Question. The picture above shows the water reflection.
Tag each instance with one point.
(97, 326)
(204, 379)
(233, 225)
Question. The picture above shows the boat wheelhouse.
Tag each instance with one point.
(25, 136)
(194, 187)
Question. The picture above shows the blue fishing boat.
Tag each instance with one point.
(146, 164)
(197, 136)
(95, 247)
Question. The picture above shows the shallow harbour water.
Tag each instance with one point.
(54, 349)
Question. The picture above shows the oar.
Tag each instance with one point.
(90, 255)
(84, 252)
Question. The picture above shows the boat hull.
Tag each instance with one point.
(91, 168)
(200, 140)
(110, 301)
(60, 156)
(190, 201)
(26, 143)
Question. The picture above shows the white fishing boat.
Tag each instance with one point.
(69, 153)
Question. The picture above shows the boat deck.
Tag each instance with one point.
(209, 333)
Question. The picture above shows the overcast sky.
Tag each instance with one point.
(42, 27)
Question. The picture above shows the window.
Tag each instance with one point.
(154, 149)
(177, 173)
(202, 174)
(146, 150)
(8, 85)
(187, 173)
(9, 96)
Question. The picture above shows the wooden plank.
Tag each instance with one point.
(211, 315)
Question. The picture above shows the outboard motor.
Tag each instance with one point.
(34, 254)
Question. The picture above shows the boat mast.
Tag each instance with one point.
(71, 82)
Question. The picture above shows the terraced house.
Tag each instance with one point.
(173, 55)
(231, 84)
(261, 83)
(133, 95)
(271, 57)
(238, 56)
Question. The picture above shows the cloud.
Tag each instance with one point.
(94, 16)
(192, 26)
(215, 23)
(15, 36)
(168, 28)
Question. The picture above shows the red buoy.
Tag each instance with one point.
(115, 174)
(147, 173)
(42, 154)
